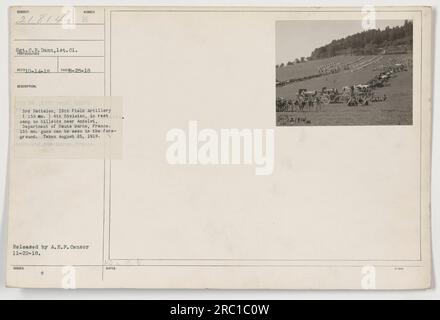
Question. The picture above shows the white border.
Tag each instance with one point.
(211, 294)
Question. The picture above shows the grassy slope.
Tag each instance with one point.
(396, 110)
(309, 68)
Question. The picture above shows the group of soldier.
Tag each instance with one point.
(360, 94)
(329, 68)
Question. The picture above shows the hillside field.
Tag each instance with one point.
(396, 110)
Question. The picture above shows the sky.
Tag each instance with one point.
(296, 39)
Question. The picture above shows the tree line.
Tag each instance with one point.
(368, 42)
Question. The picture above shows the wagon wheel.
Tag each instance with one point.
(362, 99)
(345, 98)
(325, 99)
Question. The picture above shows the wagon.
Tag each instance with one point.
(331, 95)
(363, 94)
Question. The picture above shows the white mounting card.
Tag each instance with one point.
(220, 147)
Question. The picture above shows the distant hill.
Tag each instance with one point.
(387, 41)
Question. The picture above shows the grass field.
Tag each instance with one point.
(396, 110)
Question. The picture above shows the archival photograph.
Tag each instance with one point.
(336, 73)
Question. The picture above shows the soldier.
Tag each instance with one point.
(352, 101)
(318, 101)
